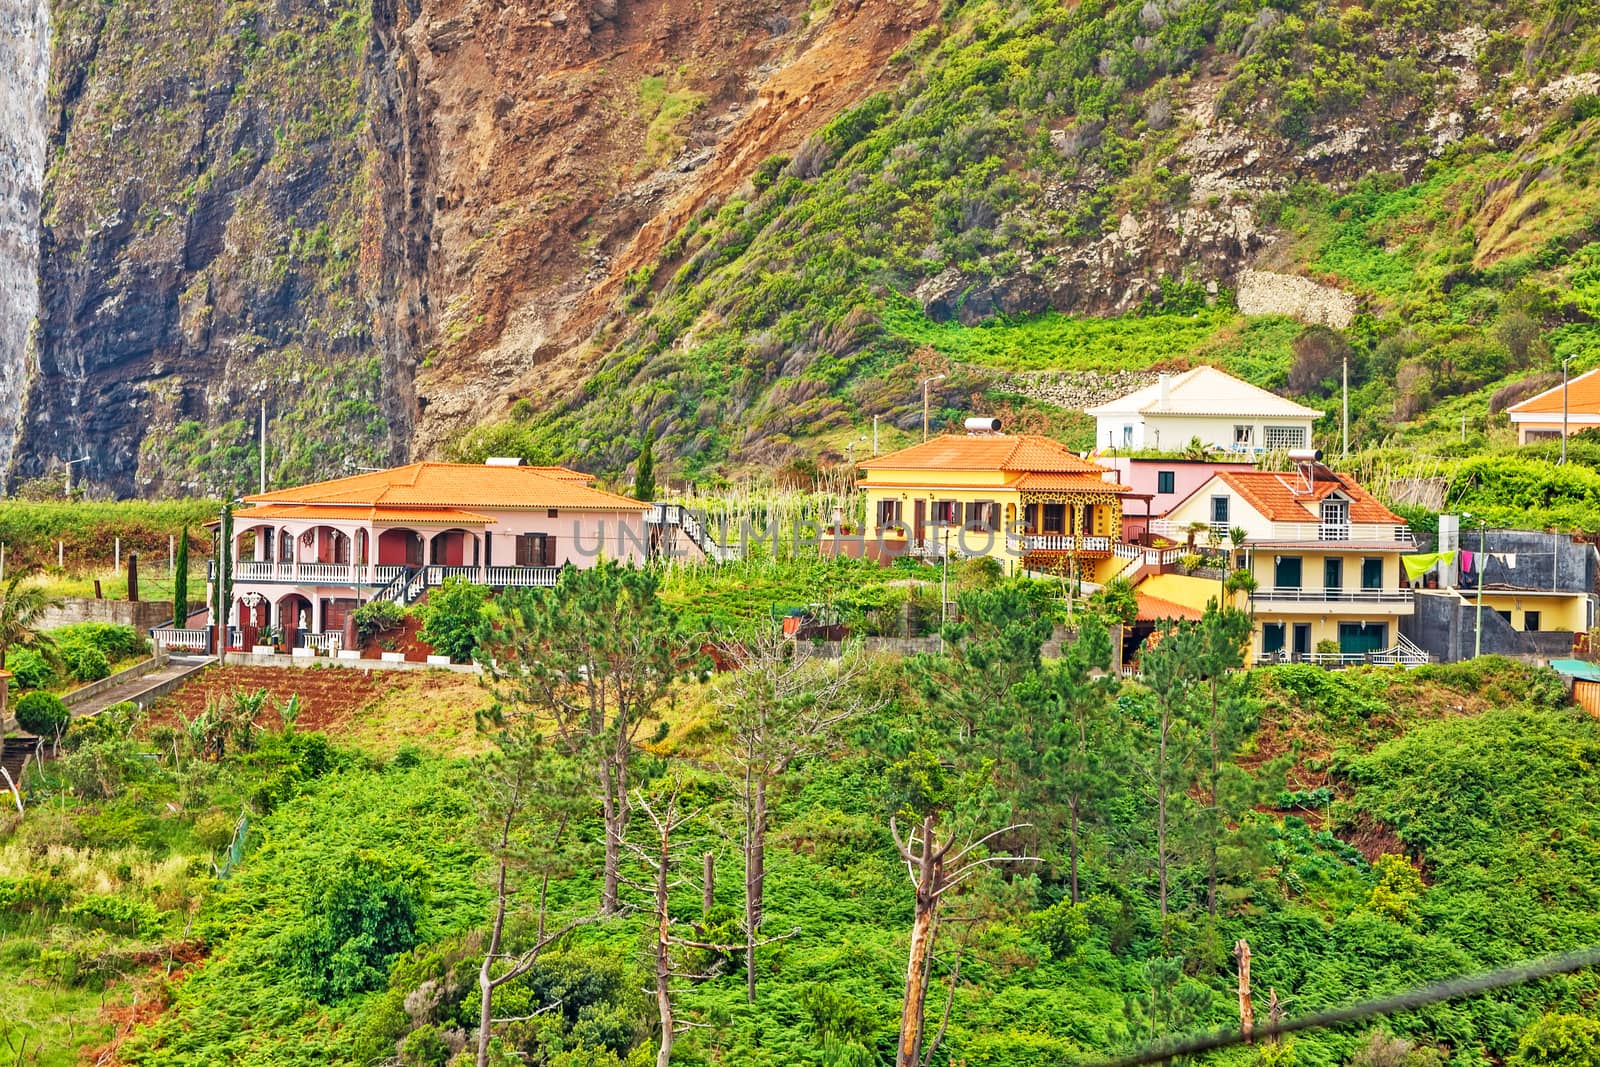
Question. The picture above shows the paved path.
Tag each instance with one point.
(145, 689)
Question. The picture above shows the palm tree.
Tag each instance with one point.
(1195, 529)
(1237, 536)
(21, 609)
(1196, 449)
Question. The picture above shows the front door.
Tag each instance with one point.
(1363, 637)
(1333, 576)
(1302, 639)
(919, 520)
(1271, 638)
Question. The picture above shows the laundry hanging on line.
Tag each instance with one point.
(1422, 562)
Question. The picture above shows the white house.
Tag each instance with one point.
(1222, 411)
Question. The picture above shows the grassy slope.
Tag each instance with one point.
(1476, 768)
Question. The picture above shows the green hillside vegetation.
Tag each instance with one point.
(1365, 831)
(760, 324)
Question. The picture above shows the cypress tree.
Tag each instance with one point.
(180, 581)
(644, 476)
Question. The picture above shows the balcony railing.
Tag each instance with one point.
(328, 643)
(1368, 532)
(1057, 543)
(188, 640)
(1335, 596)
(523, 576)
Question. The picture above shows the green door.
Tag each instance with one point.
(1361, 637)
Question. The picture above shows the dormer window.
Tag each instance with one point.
(1335, 520)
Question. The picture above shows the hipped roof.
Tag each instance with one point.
(987, 452)
(1281, 497)
(457, 485)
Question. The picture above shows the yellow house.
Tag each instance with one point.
(1025, 500)
(1324, 553)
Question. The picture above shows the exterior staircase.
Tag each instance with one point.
(670, 519)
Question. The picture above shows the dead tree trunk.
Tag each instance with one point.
(935, 868)
(1247, 1011)
(664, 947)
(755, 873)
(708, 891)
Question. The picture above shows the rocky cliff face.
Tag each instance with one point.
(735, 222)
(378, 218)
(24, 69)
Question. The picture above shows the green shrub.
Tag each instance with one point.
(113, 640)
(425, 1047)
(85, 663)
(377, 617)
(1560, 1040)
(29, 670)
(1063, 927)
(33, 892)
(450, 618)
(360, 916)
(121, 914)
(42, 714)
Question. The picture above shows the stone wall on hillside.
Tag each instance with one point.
(1262, 292)
(142, 615)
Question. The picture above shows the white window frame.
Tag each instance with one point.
(1283, 437)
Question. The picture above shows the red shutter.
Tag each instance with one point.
(524, 551)
(549, 550)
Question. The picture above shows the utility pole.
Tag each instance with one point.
(1564, 364)
(1344, 450)
(925, 383)
(874, 435)
(1477, 637)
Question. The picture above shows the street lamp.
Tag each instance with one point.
(1564, 363)
(925, 383)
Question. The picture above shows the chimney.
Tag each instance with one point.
(1165, 382)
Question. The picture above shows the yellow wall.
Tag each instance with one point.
(1323, 627)
(1555, 612)
(1313, 570)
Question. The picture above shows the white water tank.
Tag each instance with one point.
(984, 424)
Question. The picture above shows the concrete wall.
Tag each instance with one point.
(1173, 432)
(142, 616)
(1543, 560)
(1445, 625)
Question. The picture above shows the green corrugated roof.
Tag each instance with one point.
(1577, 668)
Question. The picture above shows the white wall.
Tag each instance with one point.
(1172, 432)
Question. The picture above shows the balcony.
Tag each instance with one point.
(1358, 532)
(253, 572)
(1284, 600)
(1085, 546)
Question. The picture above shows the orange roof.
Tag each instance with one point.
(1583, 397)
(1058, 482)
(359, 513)
(986, 452)
(566, 474)
(456, 485)
(1154, 609)
(1280, 496)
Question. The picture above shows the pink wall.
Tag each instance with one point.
(1143, 476)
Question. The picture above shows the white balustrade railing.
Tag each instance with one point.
(386, 574)
(176, 637)
(1057, 543)
(1342, 596)
(329, 642)
(438, 572)
(500, 577)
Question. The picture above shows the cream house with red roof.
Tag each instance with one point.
(305, 557)
(1324, 552)
(1023, 499)
(1539, 418)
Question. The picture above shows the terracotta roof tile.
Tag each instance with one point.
(986, 452)
(1583, 398)
(464, 485)
(1278, 496)
(1064, 482)
(360, 513)
(1154, 609)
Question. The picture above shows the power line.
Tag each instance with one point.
(1517, 974)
